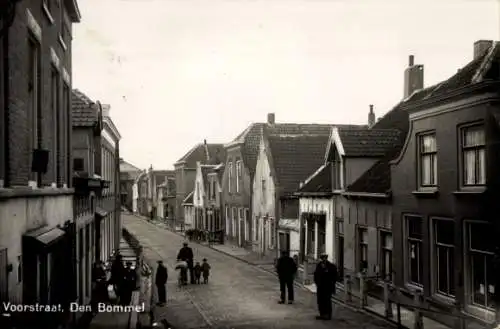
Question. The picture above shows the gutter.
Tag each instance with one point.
(367, 195)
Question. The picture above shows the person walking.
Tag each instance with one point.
(161, 281)
(286, 268)
(117, 275)
(129, 285)
(325, 278)
(186, 254)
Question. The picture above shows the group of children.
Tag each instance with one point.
(198, 271)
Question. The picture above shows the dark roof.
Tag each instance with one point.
(296, 157)
(216, 154)
(250, 137)
(83, 110)
(378, 178)
(319, 182)
(368, 142)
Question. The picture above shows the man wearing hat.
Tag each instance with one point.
(186, 254)
(325, 277)
(160, 281)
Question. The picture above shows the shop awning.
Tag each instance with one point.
(46, 235)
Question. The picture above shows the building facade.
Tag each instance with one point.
(166, 199)
(36, 195)
(95, 145)
(128, 175)
(444, 231)
(185, 172)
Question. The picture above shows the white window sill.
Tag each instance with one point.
(47, 13)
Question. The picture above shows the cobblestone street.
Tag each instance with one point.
(238, 295)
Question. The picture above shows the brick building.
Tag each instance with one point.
(36, 198)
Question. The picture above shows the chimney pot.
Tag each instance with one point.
(371, 117)
(481, 46)
(371, 108)
(270, 118)
(411, 60)
(205, 141)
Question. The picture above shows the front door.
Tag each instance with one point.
(284, 241)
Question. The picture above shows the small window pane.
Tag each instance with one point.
(444, 230)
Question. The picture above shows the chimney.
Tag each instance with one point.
(371, 117)
(207, 154)
(270, 118)
(481, 46)
(106, 108)
(414, 77)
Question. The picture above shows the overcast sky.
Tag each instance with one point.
(178, 71)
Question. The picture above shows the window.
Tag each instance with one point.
(34, 88)
(340, 247)
(480, 264)
(386, 255)
(427, 160)
(362, 249)
(272, 232)
(67, 132)
(78, 164)
(264, 191)
(214, 188)
(235, 221)
(415, 271)
(47, 9)
(227, 220)
(198, 191)
(238, 176)
(443, 255)
(311, 236)
(473, 156)
(64, 29)
(229, 176)
(57, 125)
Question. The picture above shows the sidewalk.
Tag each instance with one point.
(119, 320)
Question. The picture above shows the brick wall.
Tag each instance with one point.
(46, 30)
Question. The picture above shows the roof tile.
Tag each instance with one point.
(368, 142)
(83, 110)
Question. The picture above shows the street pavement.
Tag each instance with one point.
(238, 295)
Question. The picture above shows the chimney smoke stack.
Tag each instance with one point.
(371, 117)
(411, 60)
(270, 118)
(414, 78)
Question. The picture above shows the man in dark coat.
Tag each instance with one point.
(117, 275)
(186, 254)
(286, 268)
(129, 285)
(325, 277)
(160, 281)
(100, 291)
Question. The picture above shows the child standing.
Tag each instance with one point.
(205, 267)
(197, 272)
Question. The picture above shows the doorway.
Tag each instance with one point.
(284, 241)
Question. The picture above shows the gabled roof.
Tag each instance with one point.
(296, 157)
(378, 178)
(83, 110)
(319, 182)
(127, 166)
(189, 199)
(250, 137)
(367, 142)
(205, 153)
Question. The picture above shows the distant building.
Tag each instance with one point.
(128, 176)
(185, 172)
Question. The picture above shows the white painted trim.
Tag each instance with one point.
(112, 128)
(314, 174)
(109, 138)
(55, 59)
(66, 76)
(33, 25)
(338, 141)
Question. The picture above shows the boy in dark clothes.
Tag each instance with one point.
(205, 268)
(197, 272)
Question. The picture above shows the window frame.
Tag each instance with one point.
(360, 245)
(382, 251)
(55, 87)
(463, 129)
(434, 245)
(407, 274)
(474, 307)
(47, 10)
(238, 176)
(420, 156)
(229, 176)
(35, 99)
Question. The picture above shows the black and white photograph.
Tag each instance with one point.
(249, 164)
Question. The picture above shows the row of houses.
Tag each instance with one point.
(59, 168)
(409, 197)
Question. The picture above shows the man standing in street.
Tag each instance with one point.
(186, 254)
(129, 285)
(325, 277)
(286, 268)
(161, 281)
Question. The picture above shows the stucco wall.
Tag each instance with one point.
(262, 205)
(19, 215)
